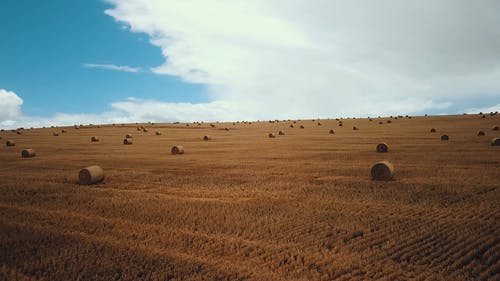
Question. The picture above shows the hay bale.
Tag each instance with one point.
(206, 138)
(495, 128)
(281, 133)
(10, 143)
(380, 123)
(445, 137)
(480, 133)
(178, 149)
(495, 142)
(90, 175)
(291, 126)
(340, 124)
(94, 139)
(382, 171)
(354, 128)
(128, 136)
(389, 121)
(302, 126)
(64, 131)
(19, 132)
(127, 141)
(158, 133)
(382, 147)
(28, 153)
(319, 124)
(212, 125)
(227, 129)
(139, 129)
(271, 135)
(433, 130)
(331, 132)
(145, 130)
(55, 134)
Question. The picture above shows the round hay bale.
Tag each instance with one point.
(480, 133)
(90, 175)
(178, 149)
(64, 131)
(291, 126)
(145, 130)
(445, 137)
(380, 123)
(281, 133)
(139, 129)
(227, 129)
(433, 130)
(354, 128)
(340, 125)
(382, 147)
(206, 138)
(319, 124)
(94, 139)
(272, 135)
(158, 133)
(382, 171)
(55, 134)
(212, 125)
(28, 153)
(389, 121)
(302, 126)
(128, 136)
(19, 132)
(495, 128)
(331, 132)
(484, 116)
(127, 141)
(495, 142)
(10, 143)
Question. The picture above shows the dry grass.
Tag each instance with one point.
(301, 207)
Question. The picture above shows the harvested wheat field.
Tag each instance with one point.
(243, 206)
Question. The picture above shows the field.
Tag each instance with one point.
(243, 206)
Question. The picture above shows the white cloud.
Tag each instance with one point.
(292, 58)
(113, 67)
(10, 107)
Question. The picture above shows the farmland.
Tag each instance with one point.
(244, 206)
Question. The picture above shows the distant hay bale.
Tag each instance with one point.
(382, 171)
(495, 128)
(302, 126)
(433, 130)
(331, 131)
(445, 137)
(281, 133)
(370, 119)
(484, 116)
(178, 149)
(28, 153)
(145, 130)
(94, 139)
(480, 133)
(292, 126)
(139, 129)
(158, 133)
(382, 147)
(495, 142)
(340, 124)
(55, 134)
(10, 143)
(212, 125)
(227, 129)
(206, 138)
(319, 124)
(91, 175)
(127, 141)
(19, 132)
(389, 121)
(380, 123)
(294, 122)
(128, 136)
(64, 131)
(271, 135)
(354, 128)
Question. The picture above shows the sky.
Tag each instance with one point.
(116, 61)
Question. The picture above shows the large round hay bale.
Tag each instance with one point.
(445, 137)
(291, 126)
(382, 147)
(139, 129)
(354, 128)
(10, 143)
(178, 149)
(433, 130)
(64, 131)
(91, 175)
(128, 136)
(55, 134)
(28, 153)
(389, 121)
(127, 141)
(94, 139)
(206, 138)
(145, 130)
(495, 128)
(340, 125)
(380, 123)
(302, 126)
(495, 142)
(271, 135)
(319, 124)
(158, 133)
(281, 133)
(382, 171)
(480, 133)
(331, 132)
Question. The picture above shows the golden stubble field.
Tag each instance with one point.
(242, 206)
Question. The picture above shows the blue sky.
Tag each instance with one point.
(113, 61)
(45, 45)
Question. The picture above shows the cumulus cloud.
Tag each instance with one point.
(125, 68)
(268, 59)
(10, 107)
